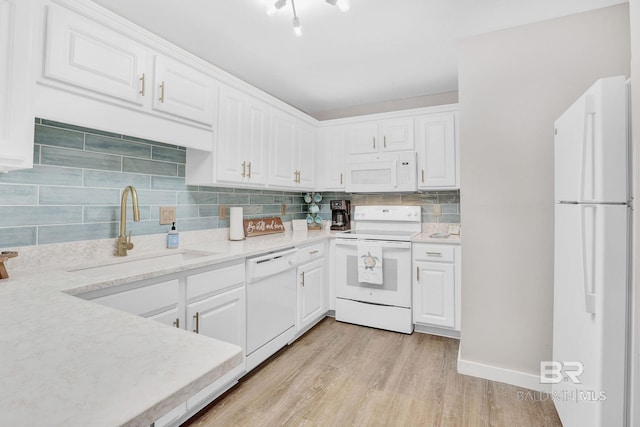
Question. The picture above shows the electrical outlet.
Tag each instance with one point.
(167, 215)
(222, 212)
(283, 209)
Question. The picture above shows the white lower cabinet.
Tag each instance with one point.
(312, 286)
(436, 288)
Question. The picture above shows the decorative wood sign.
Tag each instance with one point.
(260, 226)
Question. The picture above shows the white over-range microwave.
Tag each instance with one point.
(382, 172)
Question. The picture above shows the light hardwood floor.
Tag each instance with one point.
(346, 375)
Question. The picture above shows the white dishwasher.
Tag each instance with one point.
(271, 304)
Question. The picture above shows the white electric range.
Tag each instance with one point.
(381, 235)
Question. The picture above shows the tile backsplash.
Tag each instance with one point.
(73, 191)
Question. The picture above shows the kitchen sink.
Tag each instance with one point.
(139, 265)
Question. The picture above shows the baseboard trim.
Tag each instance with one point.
(502, 375)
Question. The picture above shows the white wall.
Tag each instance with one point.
(513, 84)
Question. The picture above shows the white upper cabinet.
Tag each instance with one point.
(17, 83)
(88, 55)
(436, 144)
(183, 91)
(361, 138)
(243, 136)
(377, 136)
(101, 71)
(332, 158)
(292, 152)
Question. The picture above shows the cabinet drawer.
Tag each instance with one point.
(146, 299)
(310, 253)
(214, 281)
(434, 253)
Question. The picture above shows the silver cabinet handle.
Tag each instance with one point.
(177, 323)
(374, 142)
(423, 176)
(142, 85)
(418, 274)
(196, 318)
(162, 92)
(313, 252)
(302, 283)
(341, 178)
(385, 141)
(434, 253)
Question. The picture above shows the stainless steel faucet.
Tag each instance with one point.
(125, 244)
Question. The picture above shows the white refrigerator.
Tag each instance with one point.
(592, 256)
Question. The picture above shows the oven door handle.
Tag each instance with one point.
(383, 243)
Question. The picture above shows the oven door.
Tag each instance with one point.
(396, 274)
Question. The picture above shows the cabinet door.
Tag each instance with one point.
(283, 150)
(310, 294)
(144, 300)
(396, 135)
(434, 294)
(81, 52)
(17, 83)
(231, 161)
(221, 316)
(257, 141)
(333, 158)
(306, 145)
(183, 91)
(171, 317)
(436, 147)
(362, 138)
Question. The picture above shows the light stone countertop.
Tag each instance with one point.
(430, 230)
(66, 361)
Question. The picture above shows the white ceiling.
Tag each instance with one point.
(378, 51)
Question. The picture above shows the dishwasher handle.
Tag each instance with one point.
(263, 266)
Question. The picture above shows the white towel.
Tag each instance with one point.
(370, 262)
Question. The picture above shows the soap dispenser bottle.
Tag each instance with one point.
(173, 238)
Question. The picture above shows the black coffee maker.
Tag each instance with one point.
(340, 214)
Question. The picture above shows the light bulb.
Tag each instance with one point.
(273, 8)
(343, 5)
(297, 27)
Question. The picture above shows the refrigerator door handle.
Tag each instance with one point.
(588, 132)
(587, 279)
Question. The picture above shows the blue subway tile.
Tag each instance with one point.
(261, 198)
(36, 154)
(102, 179)
(150, 167)
(79, 159)
(79, 128)
(112, 213)
(49, 175)
(157, 197)
(187, 211)
(168, 154)
(171, 183)
(103, 144)
(38, 215)
(233, 199)
(18, 194)
(45, 135)
(191, 224)
(197, 198)
(17, 236)
(76, 232)
(181, 170)
(78, 196)
(208, 210)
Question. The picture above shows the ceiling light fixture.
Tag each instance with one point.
(343, 6)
